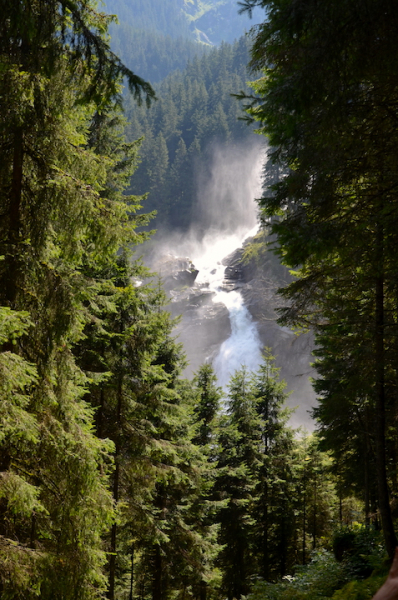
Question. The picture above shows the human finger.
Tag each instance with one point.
(394, 567)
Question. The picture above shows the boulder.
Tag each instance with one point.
(176, 272)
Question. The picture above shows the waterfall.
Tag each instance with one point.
(243, 346)
(226, 215)
(215, 326)
(229, 198)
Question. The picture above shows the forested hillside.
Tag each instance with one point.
(153, 54)
(120, 479)
(195, 112)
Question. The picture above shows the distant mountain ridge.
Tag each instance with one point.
(206, 21)
(215, 21)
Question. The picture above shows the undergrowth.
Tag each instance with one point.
(354, 571)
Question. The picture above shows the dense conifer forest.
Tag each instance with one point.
(194, 113)
(119, 478)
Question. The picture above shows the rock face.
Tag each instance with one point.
(218, 20)
(176, 272)
(293, 353)
(204, 325)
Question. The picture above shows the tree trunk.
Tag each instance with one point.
(368, 455)
(157, 575)
(112, 557)
(14, 222)
(265, 540)
(367, 494)
(132, 574)
(304, 525)
(203, 590)
(314, 516)
(283, 548)
(390, 539)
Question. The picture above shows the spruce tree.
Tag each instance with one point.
(336, 207)
(274, 510)
(62, 224)
(206, 415)
(239, 461)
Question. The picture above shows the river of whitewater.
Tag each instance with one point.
(243, 346)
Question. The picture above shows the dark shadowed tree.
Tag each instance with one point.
(327, 102)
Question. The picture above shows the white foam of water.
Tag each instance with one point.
(213, 249)
(243, 347)
(227, 200)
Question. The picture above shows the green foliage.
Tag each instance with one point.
(360, 549)
(278, 501)
(64, 167)
(359, 590)
(325, 577)
(333, 214)
(207, 407)
(238, 463)
(316, 581)
(256, 250)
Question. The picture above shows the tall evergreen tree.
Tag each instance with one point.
(206, 411)
(59, 228)
(274, 510)
(337, 205)
(206, 414)
(237, 479)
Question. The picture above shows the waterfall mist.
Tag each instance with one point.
(227, 183)
(226, 190)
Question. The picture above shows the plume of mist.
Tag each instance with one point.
(227, 188)
(224, 210)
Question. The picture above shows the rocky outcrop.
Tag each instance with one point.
(238, 271)
(176, 272)
(203, 325)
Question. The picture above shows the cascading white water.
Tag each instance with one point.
(239, 187)
(243, 347)
(228, 214)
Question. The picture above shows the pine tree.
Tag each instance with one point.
(206, 410)
(274, 510)
(336, 206)
(206, 414)
(239, 460)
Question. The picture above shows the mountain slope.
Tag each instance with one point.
(209, 21)
(195, 113)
